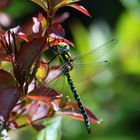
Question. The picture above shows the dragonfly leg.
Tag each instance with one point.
(52, 59)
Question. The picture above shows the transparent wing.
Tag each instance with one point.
(86, 71)
(86, 66)
(93, 62)
(56, 80)
(100, 53)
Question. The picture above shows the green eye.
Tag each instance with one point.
(62, 44)
(67, 47)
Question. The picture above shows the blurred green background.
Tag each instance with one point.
(114, 94)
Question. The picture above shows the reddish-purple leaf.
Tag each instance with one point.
(47, 95)
(38, 112)
(17, 32)
(13, 125)
(54, 40)
(33, 108)
(41, 3)
(29, 52)
(54, 72)
(37, 27)
(8, 99)
(5, 57)
(18, 110)
(44, 94)
(56, 29)
(24, 37)
(80, 8)
(6, 79)
(3, 3)
(61, 18)
(72, 111)
(37, 127)
(2, 43)
(62, 3)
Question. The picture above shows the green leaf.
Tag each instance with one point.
(52, 130)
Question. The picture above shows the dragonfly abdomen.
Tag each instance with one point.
(78, 100)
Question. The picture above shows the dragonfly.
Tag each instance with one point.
(68, 63)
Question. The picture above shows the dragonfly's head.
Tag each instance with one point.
(63, 48)
(63, 51)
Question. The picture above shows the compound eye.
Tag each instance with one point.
(62, 50)
(67, 47)
(63, 47)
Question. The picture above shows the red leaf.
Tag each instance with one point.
(54, 40)
(33, 107)
(17, 31)
(38, 127)
(61, 18)
(47, 95)
(39, 112)
(6, 79)
(56, 29)
(13, 125)
(63, 3)
(72, 111)
(9, 93)
(37, 27)
(44, 94)
(5, 57)
(80, 8)
(8, 99)
(54, 72)
(29, 52)
(41, 3)
(24, 37)
(3, 3)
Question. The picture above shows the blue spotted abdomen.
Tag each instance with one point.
(78, 100)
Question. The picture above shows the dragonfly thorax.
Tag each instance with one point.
(67, 67)
(70, 64)
(64, 54)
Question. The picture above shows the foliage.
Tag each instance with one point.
(24, 97)
(114, 93)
